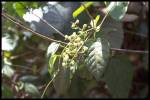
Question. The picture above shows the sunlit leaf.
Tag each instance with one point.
(19, 86)
(31, 89)
(98, 57)
(9, 42)
(81, 9)
(97, 18)
(52, 48)
(34, 5)
(19, 9)
(52, 60)
(6, 68)
(119, 76)
(106, 3)
(8, 6)
(8, 71)
(7, 54)
(117, 10)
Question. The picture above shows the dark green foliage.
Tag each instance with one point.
(119, 76)
(98, 57)
(62, 81)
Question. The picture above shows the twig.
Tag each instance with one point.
(44, 21)
(60, 33)
(13, 18)
(127, 50)
(47, 87)
(49, 83)
(100, 25)
(88, 13)
(80, 47)
(30, 30)
(20, 55)
(49, 25)
(20, 66)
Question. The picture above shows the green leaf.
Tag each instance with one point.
(117, 10)
(62, 81)
(112, 30)
(9, 7)
(97, 18)
(19, 9)
(52, 60)
(9, 42)
(79, 86)
(33, 5)
(6, 91)
(81, 9)
(7, 54)
(106, 3)
(83, 72)
(119, 76)
(31, 89)
(98, 57)
(52, 48)
(8, 71)
(29, 78)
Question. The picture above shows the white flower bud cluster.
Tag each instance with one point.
(75, 42)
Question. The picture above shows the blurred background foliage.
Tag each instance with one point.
(24, 64)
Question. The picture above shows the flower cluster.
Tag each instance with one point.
(74, 47)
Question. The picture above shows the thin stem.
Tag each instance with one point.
(20, 66)
(49, 84)
(44, 21)
(127, 50)
(20, 55)
(47, 87)
(13, 18)
(30, 30)
(49, 25)
(88, 13)
(89, 29)
(80, 47)
(100, 25)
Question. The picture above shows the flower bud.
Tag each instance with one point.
(85, 48)
(72, 62)
(64, 64)
(65, 58)
(77, 21)
(73, 25)
(78, 39)
(67, 50)
(75, 44)
(66, 36)
(84, 26)
(73, 35)
(81, 42)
